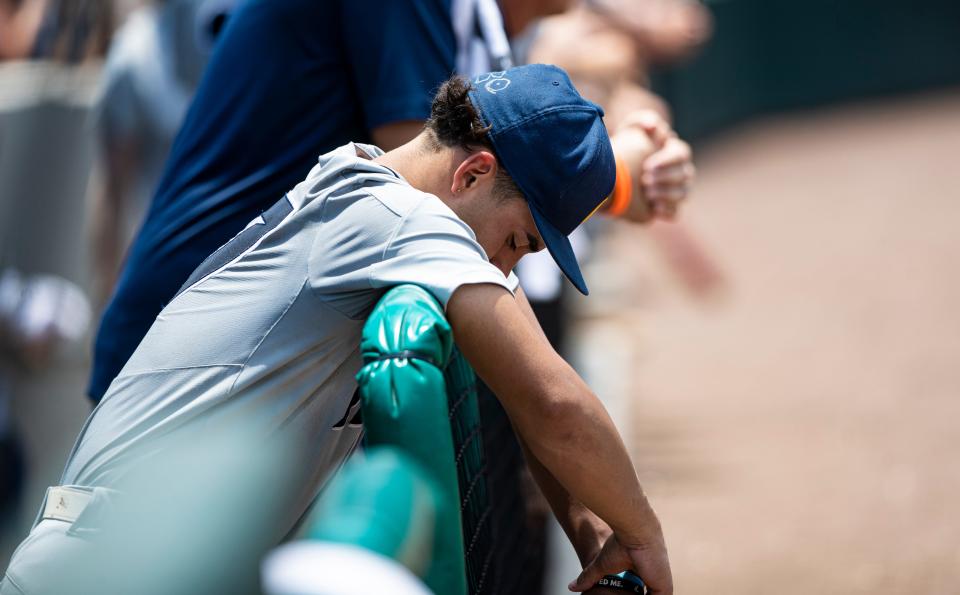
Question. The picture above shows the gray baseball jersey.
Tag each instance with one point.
(269, 326)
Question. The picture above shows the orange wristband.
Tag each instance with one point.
(622, 190)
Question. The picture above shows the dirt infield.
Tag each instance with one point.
(799, 431)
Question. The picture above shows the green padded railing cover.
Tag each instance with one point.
(385, 502)
(407, 346)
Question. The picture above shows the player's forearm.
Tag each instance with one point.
(578, 443)
(584, 529)
(552, 409)
(586, 532)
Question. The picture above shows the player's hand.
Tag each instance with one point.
(649, 561)
(660, 163)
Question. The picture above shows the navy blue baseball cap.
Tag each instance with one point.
(554, 145)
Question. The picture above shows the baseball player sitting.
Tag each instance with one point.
(267, 329)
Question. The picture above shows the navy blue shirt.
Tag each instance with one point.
(288, 81)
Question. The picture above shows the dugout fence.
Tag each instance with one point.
(419, 400)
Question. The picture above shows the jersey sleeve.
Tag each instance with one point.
(399, 52)
(436, 251)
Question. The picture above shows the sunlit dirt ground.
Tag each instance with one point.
(799, 430)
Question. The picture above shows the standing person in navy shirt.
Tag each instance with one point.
(289, 79)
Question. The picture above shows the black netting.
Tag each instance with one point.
(504, 551)
(475, 509)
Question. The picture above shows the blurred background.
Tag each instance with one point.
(784, 362)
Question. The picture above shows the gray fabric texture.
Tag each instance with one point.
(271, 338)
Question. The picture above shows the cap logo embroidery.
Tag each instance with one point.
(493, 82)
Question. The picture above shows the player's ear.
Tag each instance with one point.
(477, 167)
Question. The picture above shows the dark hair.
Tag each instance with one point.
(454, 122)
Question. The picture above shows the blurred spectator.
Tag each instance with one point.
(37, 314)
(43, 127)
(152, 70)
(74, 31)
(71, 31)
(19, 22)
(664, 30)
(602, 58)
(607, 47)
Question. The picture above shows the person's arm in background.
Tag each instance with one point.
(118, 164)
(391, 135)
(565, 426)
(660, 164)
(665, 165)
(615, 79)
(119, 128)
(664, 31)
(667, 175)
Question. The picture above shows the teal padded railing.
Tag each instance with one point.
(418, 395)
(387, 503)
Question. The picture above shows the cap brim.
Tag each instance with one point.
(560, 249)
